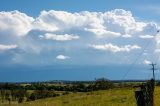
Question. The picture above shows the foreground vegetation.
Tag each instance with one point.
(112, 97)
(119, 95)
(31, 92)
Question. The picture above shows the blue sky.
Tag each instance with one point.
(33, 8)
(78, 40)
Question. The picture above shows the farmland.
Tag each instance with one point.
(111, 97)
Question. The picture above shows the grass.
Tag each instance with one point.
(112, 97)
(157, 96)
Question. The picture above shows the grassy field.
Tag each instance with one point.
(113, 97)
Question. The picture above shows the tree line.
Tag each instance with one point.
(20, 92)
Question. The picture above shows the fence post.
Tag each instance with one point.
(139, 98)
(145, 95)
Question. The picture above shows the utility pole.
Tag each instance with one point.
(153, 69)
(145, 95)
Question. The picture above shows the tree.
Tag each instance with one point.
(103, 84)
(32, 97)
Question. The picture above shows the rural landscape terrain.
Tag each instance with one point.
(101, 92)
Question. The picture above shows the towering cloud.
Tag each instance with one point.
(59, 32)
(112, 23)
(15, 23)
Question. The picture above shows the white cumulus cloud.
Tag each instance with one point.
(122, 21)
(114, 23)
(62, 57)
(64, 37)
(147, 62)
(114, 48)
(7, 47)
(146, 36)
(15, 23)
(103, 33)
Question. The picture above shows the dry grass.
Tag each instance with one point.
(113, 97)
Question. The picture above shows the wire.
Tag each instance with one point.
(130, 68)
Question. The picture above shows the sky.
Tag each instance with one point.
(78, 39)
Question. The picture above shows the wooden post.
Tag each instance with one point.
(145, 95)
(139, 98)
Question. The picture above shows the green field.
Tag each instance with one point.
(112, 97)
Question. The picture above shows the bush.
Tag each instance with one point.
(20, 100)
(65, 93)
(32, 97)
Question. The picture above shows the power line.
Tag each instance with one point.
(130, 68)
